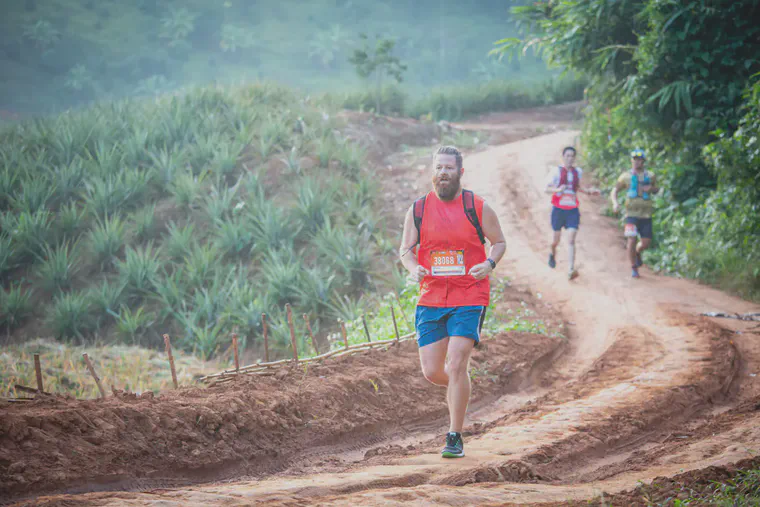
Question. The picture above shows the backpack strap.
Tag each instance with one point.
(468, 201)
(419, 211)
(562, 175)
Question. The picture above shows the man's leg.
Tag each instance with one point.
(645, 230)
(433, 362)
(632, 251)
(557, 220)
(458, 395)
(556, 236)
(571, 233)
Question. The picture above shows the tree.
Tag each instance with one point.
(378, 61)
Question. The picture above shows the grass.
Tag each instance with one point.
(125, 367)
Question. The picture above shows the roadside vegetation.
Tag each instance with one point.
(682, 81)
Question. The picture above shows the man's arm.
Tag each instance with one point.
(620, 184)
(408, 250)
(492, 231)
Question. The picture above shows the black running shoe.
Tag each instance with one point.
(454, 446)
(552, 262)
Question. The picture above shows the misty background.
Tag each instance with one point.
(61, 53)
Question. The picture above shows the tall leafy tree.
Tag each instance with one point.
(377, 61)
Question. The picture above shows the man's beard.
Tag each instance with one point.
(447, 189)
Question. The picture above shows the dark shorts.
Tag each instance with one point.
(434, 324)
(643, 225)
(567, 218)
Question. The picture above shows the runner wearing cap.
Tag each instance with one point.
(641, 185)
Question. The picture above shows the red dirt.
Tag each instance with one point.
(255, 426)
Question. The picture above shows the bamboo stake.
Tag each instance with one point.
(38, 371)
(311, 333)
(292, 332)
(235, 351)
(366, 330)
(94, 375)
(266, 339)
(395, 326)
(345, 335)
(168, 344)
(281, 362)
(403, 313)
(271, 370)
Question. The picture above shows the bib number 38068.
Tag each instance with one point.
(447, 263)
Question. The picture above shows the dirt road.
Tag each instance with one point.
(644, 387)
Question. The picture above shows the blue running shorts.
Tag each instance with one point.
(434, 324)
(567, 218)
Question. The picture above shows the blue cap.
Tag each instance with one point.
(638, 153)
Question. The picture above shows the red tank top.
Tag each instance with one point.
(449, 247)
(568, 199)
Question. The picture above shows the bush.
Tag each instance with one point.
(71, 316)
(106, 239)
(58, 266)
(139, 270)
(15, 306)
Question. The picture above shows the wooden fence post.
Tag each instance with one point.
(38, 371)
(403, 313)
(395, 326)
(266, 339)
(311, 334)
(235, 351)
(168, 344)
(292, 332)
(94, 375)
(366, 330)
(345, 335)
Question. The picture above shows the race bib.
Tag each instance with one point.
(567, 200)
(447, 263)
(630, 231)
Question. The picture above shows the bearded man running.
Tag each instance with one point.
(443, 248)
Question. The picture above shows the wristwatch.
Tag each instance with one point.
(492, 263)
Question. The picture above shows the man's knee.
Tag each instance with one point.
(645, 243)
(457, 364)
(436, 375)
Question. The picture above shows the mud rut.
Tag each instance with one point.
(644, 388)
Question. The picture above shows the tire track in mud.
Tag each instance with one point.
(639, 369)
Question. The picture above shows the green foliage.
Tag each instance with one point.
(106, 299)
(70, 220)
(139, 270)
(71, 316)
(106, 239)
(669, 77)
(314, 204)
(145, 223)
(234, 236)
(8, 256)
(131, 325)
(34, 195)
(180, 240)
(15, 306)
(30, 231)
(186, 189)
(58, 266)
(378, 61)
